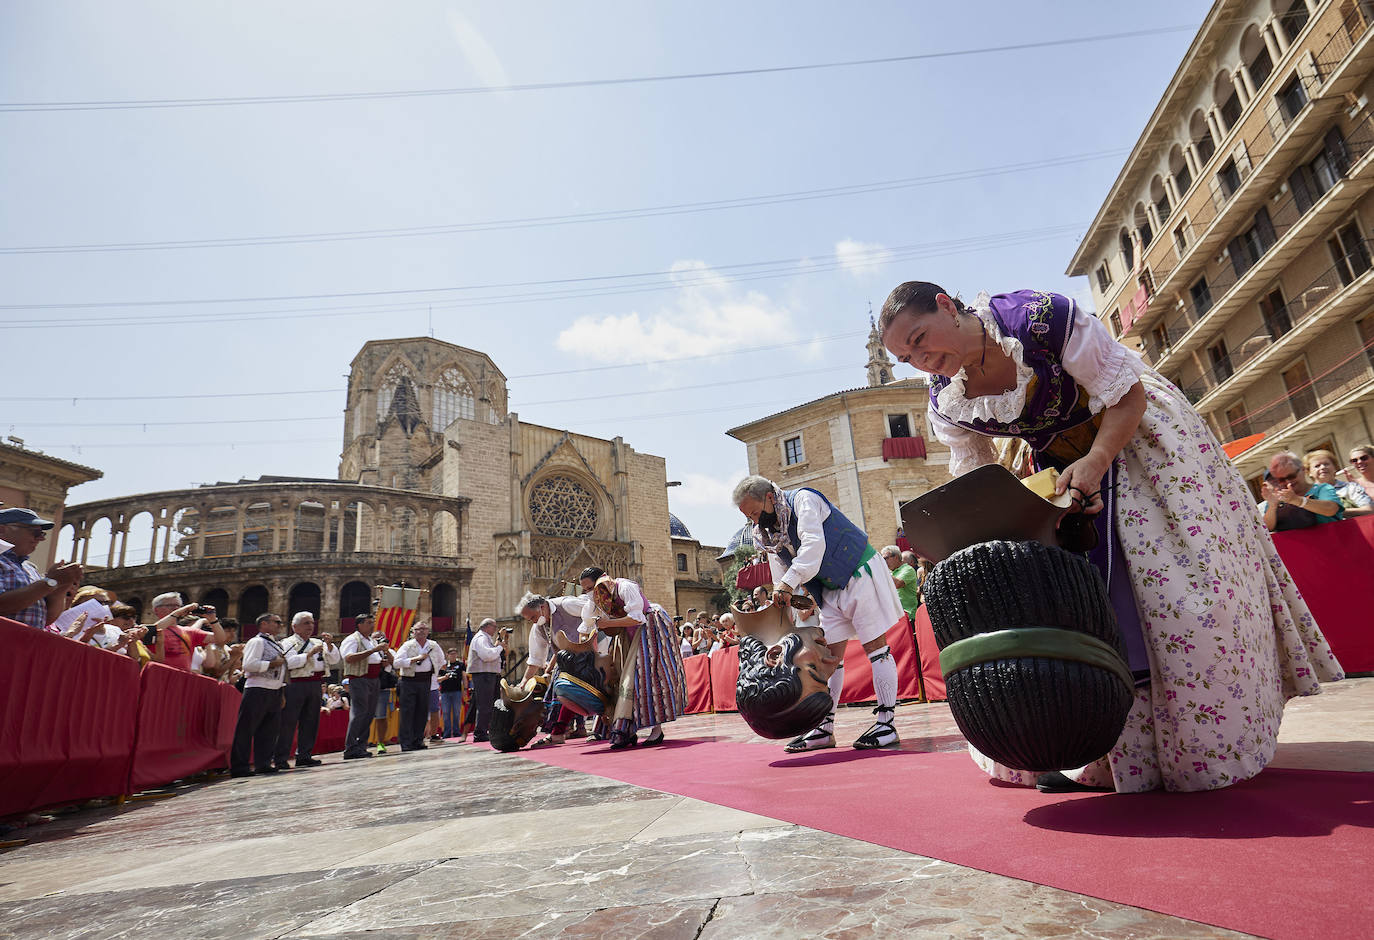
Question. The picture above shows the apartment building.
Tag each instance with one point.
(1234, 248)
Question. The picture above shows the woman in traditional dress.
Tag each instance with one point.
(653, 684)
(1217, 633)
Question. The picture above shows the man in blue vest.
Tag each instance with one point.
(810, 544)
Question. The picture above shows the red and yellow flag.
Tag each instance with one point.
(396, 613)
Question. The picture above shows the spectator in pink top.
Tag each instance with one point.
(176, 643)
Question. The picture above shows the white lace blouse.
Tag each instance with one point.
(1092, 357)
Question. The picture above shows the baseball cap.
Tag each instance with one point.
(23, 517)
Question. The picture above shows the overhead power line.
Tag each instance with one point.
(607, 215)
(607, 282)
(150, 103)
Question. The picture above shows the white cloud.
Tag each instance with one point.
(480, 55)
(859, 258)
(703, 489)
(708, 315)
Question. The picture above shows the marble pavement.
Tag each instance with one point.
(460, 842)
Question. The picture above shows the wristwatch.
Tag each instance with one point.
(50, 582)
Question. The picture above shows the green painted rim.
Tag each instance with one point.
(1045, 642)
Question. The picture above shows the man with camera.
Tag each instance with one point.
(255, 734)
(306, 657)
(363, 657)
(484, 672)
(419, 659)
(176, 643)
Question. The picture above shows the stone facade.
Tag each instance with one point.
(1234, 248)
(438, 484)
(836, 445)
(36, 481)
(697, 572)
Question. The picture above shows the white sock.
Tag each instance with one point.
(836, 687)
(884, 680)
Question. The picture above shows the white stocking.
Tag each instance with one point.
(884, 680)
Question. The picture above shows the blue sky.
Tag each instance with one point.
(1001, 158)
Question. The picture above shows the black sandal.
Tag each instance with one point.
(620, 740)
(654, 739)
(1056, 782)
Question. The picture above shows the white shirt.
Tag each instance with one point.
(483, 653)
(257, 653)
(313, 652)
(355, 643)
(811, 512)
(540, 649)
(629, 593)
(687, 648)
(1092, 357)
(433, 661)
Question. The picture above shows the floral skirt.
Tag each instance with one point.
(1229, 637)
(653, 682)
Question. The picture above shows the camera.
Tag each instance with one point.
(201, 609)
(508, 630)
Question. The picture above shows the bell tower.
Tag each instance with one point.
(879, 366)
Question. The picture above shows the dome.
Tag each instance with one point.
(745, 537)
(676, 529)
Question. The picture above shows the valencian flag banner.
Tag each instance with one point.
(396, 613)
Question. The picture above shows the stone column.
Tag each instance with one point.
(1214, 125)
(329, 605)
(291, 529)
(85, 536)
(202, 520)
(277, 597)
(1190, 158)
(1276, 45)
(1245, 85)
(240, 523)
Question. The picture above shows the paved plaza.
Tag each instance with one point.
(459, 841)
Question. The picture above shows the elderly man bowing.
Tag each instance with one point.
(546, 617)
(307, 661)
(809, 542)
(419, 660)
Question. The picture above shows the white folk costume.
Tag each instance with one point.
(814, 545)
(1205, 603)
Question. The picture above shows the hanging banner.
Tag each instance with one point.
(396, 613)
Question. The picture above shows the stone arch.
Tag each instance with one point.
(355, 598)
(1255, 54)
(443, 533)
(563, 502)
(1159, 198)
(138, 538)
(1127, 246)
(1178, 169)
(64, 549)
(1200, 133)
(451, 397)
(257, 528)
(304, 595)
(309, 524)
(444, 603)
(221, 532)
(217, 598)
(99, 547)
(180, 529)
(397, 369)
(359, 527)
(253, 602)
(402, 534)
(136, 602)
(1226, 100)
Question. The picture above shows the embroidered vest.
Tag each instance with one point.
(845, 546)
(358, 668)
(299, 646)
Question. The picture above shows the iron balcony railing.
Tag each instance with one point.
(1245, 252)
(1164, 253)
(1349, 375)
(1279, 321)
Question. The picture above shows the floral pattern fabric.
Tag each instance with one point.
(1229, 637)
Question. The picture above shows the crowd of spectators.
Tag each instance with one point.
(704, 633)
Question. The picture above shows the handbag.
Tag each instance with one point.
(758, 573)
(386, 679)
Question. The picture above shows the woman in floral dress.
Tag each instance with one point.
(1217, 634)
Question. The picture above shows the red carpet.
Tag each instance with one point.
(1286, 855)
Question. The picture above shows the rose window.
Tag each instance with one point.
(559, 505)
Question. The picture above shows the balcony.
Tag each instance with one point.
(1341, 290)
(1263, 144)
(1227, 288)
(1342, 389)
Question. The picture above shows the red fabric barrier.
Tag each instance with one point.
(333, 731)
(229, 698)
(179, 727)
(698, 670)
(929, 652)
(724, 676)
(858, 673)
(1333, 566)
(67, 715)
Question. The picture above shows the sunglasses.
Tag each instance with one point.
(1360, 459)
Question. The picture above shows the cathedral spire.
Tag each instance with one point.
(879, 366)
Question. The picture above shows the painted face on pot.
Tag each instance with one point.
(771, 625)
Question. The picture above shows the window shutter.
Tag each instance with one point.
(1302, 194)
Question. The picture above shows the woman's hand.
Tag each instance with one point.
(1082, 480)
